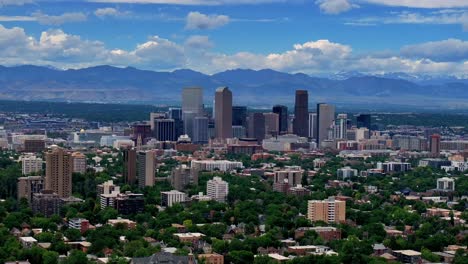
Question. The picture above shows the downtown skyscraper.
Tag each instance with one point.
(325, 119)
(223, 113)
(192, 106)
(282, 112)
(301, 114)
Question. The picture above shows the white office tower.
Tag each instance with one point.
(192, 106)
(217, 189)
(313, 125)
(200, 130)
(340, 126)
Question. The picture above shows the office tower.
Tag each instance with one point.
(256, 126)
(217, 189)
(34, 145)
(271, 124)
(180, 177)
(211, 129)
(31, 164)
(79, 162)
(154, 117)
(129, 166)
(364, 120)
(188, 121)
(325, 118)
(223, 113)
(341, 126)
(59, 167)
(146, 168)
(301, 114)
(238, 132)
(239, 116)
(176, 115)
(282, 112)
(27, 186)
(130, 203)
(313, 125)
(164, 130)
(192, 106)
(200, 130)
(172, 197)
(435, 144)
(46, 203)
(329, 210)
(141, 132)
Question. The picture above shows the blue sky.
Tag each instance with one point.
(313, 36)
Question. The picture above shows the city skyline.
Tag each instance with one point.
(328, 36)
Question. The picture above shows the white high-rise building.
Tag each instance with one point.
(31, 164)
(192, 106)
(341, 126)
(217, 189)
(312, 125)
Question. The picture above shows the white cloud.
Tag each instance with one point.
(45, 19)
(199, 42)
(197, 20)
(59, 49)
(422, 3)
(445, 50)
(190, 2)
(16, 18)
(160, 51)
(441, 17)
(335, 6)
(15, 2)
(109, 12)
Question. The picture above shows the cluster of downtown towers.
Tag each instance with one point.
(230, 121)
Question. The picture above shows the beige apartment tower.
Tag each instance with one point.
(59, 167)
(223, 113)
(329, 210)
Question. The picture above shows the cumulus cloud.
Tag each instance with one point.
(63, 50)
(45, 19)
(335, 6)
(197, 20)
(109, 12)
(445, 50)
(199, 42)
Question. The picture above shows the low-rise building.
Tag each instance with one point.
(172, 197)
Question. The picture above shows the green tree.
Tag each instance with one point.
(76, 257)
(50, 257)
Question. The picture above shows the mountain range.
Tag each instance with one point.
(263, 87)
